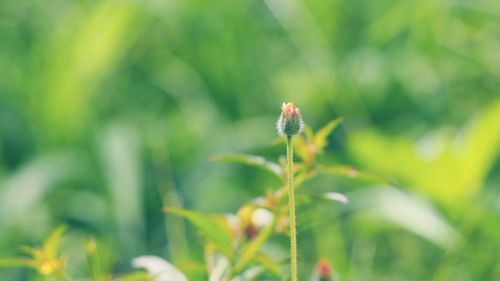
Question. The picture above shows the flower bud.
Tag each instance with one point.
(323, 271)
(250, 232)
(290, 121)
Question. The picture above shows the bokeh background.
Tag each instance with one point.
(109, 110)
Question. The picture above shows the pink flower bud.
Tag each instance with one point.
(323, 271)
(290, 121)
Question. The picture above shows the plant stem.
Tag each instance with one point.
(291, 208)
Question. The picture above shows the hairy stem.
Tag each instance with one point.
(291, 209)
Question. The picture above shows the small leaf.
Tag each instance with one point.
(30, 250)
(320, 138)
(211, 228)
(51, 245)
(310, 145)
(268, 264)
(251, 160)
(303, 149)
(158, 267)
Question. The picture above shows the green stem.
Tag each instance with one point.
(291, 208)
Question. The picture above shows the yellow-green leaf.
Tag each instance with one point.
(449, 167)
(268, 264)
(51, 245)
(210, 227)
(303, 149)
(320, 138)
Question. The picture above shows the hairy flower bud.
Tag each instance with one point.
(323, 271)
(290, 121)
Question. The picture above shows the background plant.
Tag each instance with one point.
(117, 106)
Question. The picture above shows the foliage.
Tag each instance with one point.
(109, 110)
(239, 238)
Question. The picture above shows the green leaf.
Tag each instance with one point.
(51, 244)
(210, 227)
(449, 167)
(301, 148)
(251, 160)
(29, 250)
(481, 147)
(13, 262)
(309, 146)
(308, 132)
(351, 172)
(320, 138)
(406, 211)
(93, 259)
(268, 264)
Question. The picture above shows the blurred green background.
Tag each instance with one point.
(109, 110)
